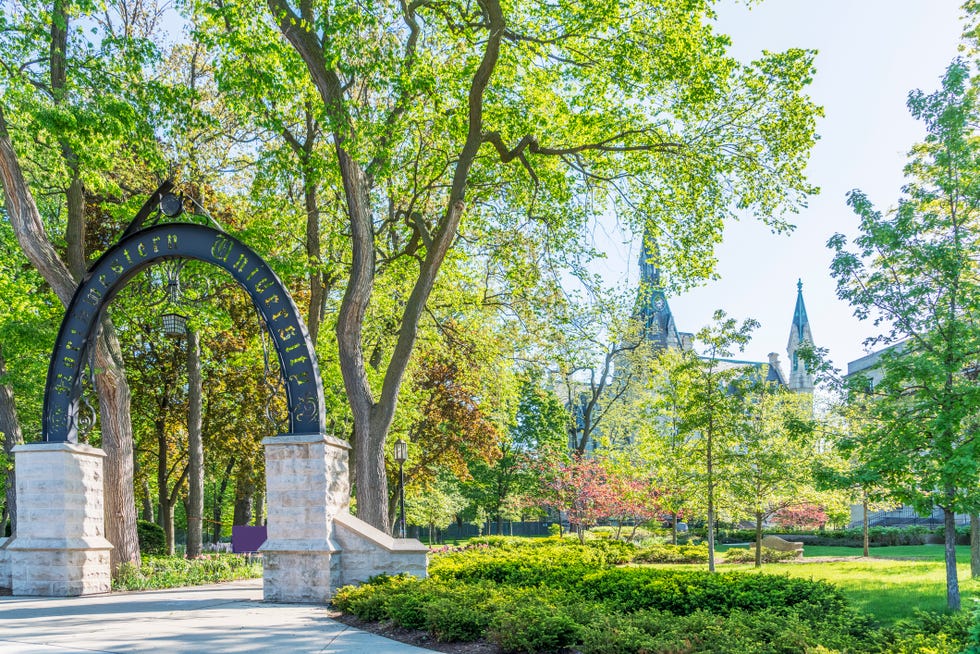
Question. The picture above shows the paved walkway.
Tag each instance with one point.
(225, 618)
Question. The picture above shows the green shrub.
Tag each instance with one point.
(614, 552)
(929, 633)
(683, 592)
(520, 596)
(769, 555)
(456, 618)
(151, 538)
(616, 634)
(175, 571)
(672, 554)
(407, 607)
(549, 564)
(533, 625)
(877, 536)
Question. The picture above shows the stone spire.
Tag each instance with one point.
(652, 309)
(800, 379)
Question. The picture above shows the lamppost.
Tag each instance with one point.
(401, 456)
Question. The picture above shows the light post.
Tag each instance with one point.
(401, 456)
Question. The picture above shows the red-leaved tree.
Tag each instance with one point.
(800, 516)
(579, 488)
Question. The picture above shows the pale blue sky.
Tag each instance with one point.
(871, 54)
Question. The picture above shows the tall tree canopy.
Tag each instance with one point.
(524, 117)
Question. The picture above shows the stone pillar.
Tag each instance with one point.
(306, 486)
(60, 547)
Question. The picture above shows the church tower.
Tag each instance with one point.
(652, 310)
(800, 379)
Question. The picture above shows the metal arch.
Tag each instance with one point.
(136, 252)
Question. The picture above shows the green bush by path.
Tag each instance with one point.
(549, 596)
(174, 571)
(151, 538)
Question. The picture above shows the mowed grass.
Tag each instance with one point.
(891, 584)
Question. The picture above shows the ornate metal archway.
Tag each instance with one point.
(141, 248)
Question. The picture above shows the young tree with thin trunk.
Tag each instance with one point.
(914, 270)
(707, 412)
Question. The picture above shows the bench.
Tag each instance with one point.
(781, 545)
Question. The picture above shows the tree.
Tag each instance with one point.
(579, 488)
(775, 455)
(707, 399)
(660, 435)
(914, 270)
(434, 507)
(538, 115)
(69, 102)
(503, 484)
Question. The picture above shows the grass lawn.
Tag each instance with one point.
(891, 584)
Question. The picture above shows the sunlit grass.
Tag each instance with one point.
(891, 584)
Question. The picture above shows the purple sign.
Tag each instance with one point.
(247, 539)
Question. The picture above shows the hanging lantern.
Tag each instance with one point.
(174, 324)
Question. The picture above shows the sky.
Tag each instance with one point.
(871, 54)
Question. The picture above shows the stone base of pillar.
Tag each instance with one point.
(298, 576)
(306, 486)
(60, 568)
(308, 497)
(60, 547)
(5, 578)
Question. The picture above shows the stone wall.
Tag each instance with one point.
(367, 551)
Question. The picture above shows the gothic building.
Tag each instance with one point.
(653, 311)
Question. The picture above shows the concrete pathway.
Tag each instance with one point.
(224, 618)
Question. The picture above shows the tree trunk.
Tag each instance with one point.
(12, 436)
(975, 545)
(372, 419)
(195, 444)
(167, 522)
(219, 501)
(117, 442)
(673, 530)
(864, 527)
(317, 286)
(758, 539)
(244, 492)
(165, 511)
(147, 502)
(259, 511)
(952, 582)
(111, 386)
(711, 507)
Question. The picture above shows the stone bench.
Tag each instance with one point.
(781, 545)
